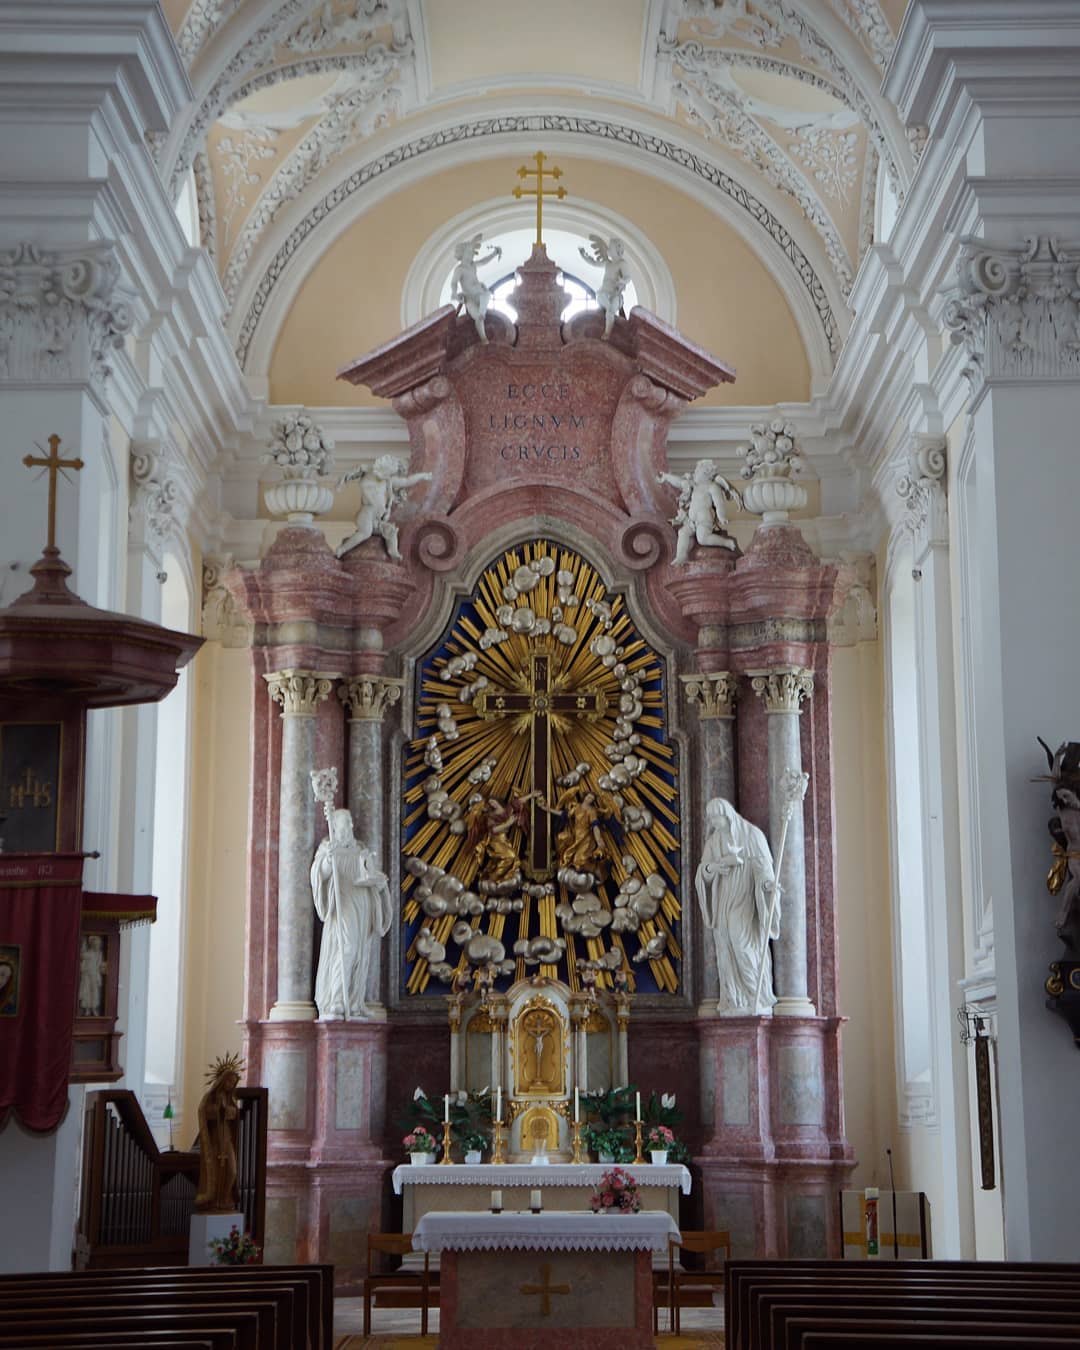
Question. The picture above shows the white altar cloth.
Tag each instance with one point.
(554, 1230)
(527, 1174)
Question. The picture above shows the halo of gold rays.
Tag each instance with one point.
(574, 740)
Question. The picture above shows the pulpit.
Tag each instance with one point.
(568, 1279)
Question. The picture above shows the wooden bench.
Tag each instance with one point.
(290, 1307)
(779, 1305)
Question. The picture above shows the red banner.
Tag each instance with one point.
(40, 913)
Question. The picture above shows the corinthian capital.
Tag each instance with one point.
(922, 488)
(783, 690)
(61, 313)
(713, 694)
(299, 691)
(367, 697)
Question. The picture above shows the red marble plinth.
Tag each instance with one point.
(350, 1091)
(502, 1330)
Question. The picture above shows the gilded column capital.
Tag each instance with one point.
(782, 690)
(300, 691)
(367, 697)
(714, 693)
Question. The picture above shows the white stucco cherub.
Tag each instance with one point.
(382, 487)
(701, 514)
(612, 258)
(466, 288)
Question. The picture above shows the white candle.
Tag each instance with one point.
(534, 1199)
(637, 1106)
(446, 1108)
(498, 1104)
(577, 1109)
(496, 1199)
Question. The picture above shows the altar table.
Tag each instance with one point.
(563, 1186)
(563, 1278)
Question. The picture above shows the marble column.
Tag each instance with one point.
(713, 695)
(299, 692)
(782, 691)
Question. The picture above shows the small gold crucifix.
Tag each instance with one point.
(539, 191)
(545, 1289)
(53, 464)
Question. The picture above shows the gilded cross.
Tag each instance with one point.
(539, 191)
(537, 704)
(53, 464)
(545, 1289)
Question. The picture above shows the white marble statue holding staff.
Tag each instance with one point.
(735, 883)
(354, 904)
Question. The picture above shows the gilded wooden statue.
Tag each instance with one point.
(219, 1118)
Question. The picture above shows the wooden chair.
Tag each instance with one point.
(395, 1244)
(694, 1284)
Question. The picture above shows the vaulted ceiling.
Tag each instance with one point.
(771, 107)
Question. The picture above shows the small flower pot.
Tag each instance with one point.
(659, 1157)
(474, 1157)
(421, 1159)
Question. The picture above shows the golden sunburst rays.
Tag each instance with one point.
(488, 750)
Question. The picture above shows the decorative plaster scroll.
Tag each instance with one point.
(423, 398)
(299, 691)
(223, 620)
(155, 494)
(199, 23)
(61, 311)
(437, 545)
(536, 124)
(782, 690)
(367, 697)
(1016, 310)
(713, 694)
(855, 620)
(867, 19)
(204, 197)
(923, 489)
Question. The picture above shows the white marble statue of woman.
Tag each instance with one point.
(354, 904)
(735, 882)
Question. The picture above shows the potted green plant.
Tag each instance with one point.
(420, 1146)
(474, 1142)
(609, 1144)
(470, 1123)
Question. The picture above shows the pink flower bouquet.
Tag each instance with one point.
(660, 1137)
(617, 1193)
(419, 1141)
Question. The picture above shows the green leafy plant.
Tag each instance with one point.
(473, 1140)
(611, 1140)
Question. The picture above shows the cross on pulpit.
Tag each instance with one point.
(545, 1289)
(539, 191)
(53, 464)
(538, 704)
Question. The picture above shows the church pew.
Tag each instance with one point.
(942, 1338)
(747, 1278)
(120, 1340)
(243, 1325)
(312, 1287)
(791, 1323)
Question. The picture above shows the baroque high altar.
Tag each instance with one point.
(529, 710)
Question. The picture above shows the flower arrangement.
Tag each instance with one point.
(419, 1141)
(771, 452)
(238, 1249)
(660, 1137)
(617, 1193)
(300, 448)
(612, 1141)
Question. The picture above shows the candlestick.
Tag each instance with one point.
(498, 1157)
(577, 1143)
(637, 1106)
(446, 1108)
(534, 1201)
(496, 1202)
(577, 1108)
(638, 1155)
(498, 1103)
(446, 1160)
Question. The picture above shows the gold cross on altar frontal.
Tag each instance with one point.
(539, 191)
(53, 464)
(537, 703)
(545, 1289)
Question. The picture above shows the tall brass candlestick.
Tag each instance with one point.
(639, 1157)
(446, 1160)
(499, 1156)
(577, 1143)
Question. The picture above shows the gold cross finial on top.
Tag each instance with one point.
(539, 191)
(53, 464)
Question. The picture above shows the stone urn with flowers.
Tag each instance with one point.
(304, 454)
(771, 458)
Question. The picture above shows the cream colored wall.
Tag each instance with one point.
(862, 893)
(351, 301)
(217, 868)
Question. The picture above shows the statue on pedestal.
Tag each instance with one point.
(382, 487)
(734, 883)
(701, 513)
(354, 904)
(612, 258)
(219, 1117)
(466, 288)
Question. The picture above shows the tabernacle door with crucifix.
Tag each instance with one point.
(540, 823)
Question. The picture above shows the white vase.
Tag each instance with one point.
(300, 500)
(772, 495)
(421, 1159)
(474, 1157)
(659, 1156)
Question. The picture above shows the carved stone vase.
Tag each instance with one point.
(300, 497)
(772, 495)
